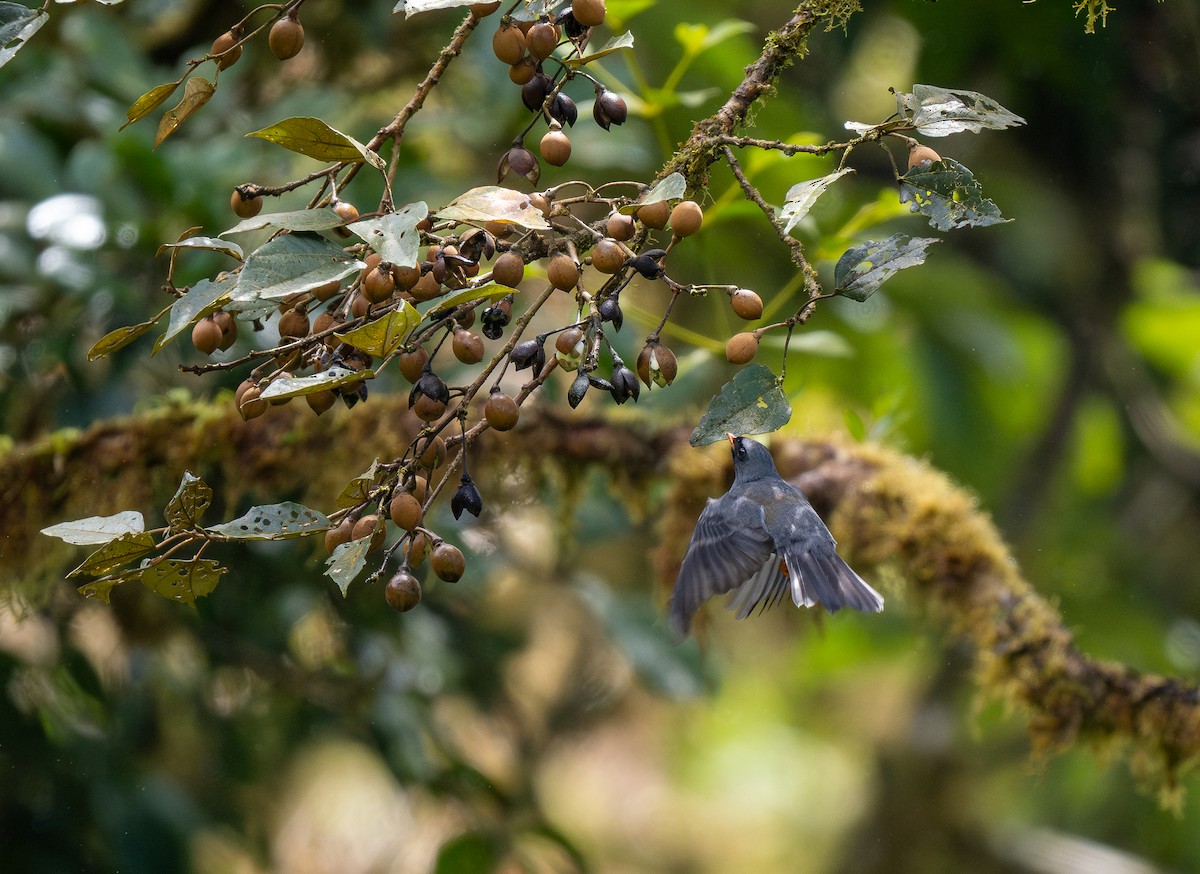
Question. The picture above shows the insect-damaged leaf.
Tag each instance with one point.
(947, 194)
(414, 7)
(273, 522)
(98, 529)
(114, 554)
(293, 386)
(490, 203)
(383, 336)
(196, 93)
(939, 112)
(358, 489)
(347, 562)
(17, 24)
(801, 197)
(862, 269)
(394, 236)
(187, 505)
(750, 403)
(183, 580)
(102, 588)
(203, 298)
(291, 264)
(314, 138)
(672, 187)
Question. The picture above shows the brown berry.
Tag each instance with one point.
(655, 215)
(293, 325)
(428, 409)
(419, 488)
(448, 562)
(741, 348)
(229, 329)
(508, 44)
(620, 227)
(286, 38)
(418, 547)
(403, 591)
(320, 401)
(427, 288)
(433, 455)
(509, 269)
(686, 218)
(339, 534)
(244, 204)
(589, 13)
(657, 365)
(359, 306)
(406, 277)
(501, 411)
(541, 40)
(746, 304)
(206, 336)
(483, 10)
(406, 511)
(468, 347)
(563, 272)
(250, 405)
(412, 363)
(379, 285)
(522, 71)
(555, 147)
(226, 46)
(327, 290)
(567, 342)
(369, 526)
(346, 211)
(608, 256)
(921, 156)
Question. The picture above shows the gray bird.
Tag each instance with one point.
(761, 540)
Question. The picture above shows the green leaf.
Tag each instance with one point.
(187, 505)
(102, 588)
(196, 93)
(672, 187)
(939, 112)
(314, 138)
(183, 580)
(98, 529)
(414, 7)
(210, 243)
(114, 554)
(490, 203)
(854, 424)
(122, 337)
(801, 197)
(697, 38)
(290, 264)
(293, 386)
(862, 269)
(148, 102)
(624, 41)
(383, 336)
(750, 403)
(273, 522)
(491, 291)
(322, 219)
(359, 489)
(394, 236)
(347, 562)
(17, 24)
(470, 853)
(947, 194)
(202, 299)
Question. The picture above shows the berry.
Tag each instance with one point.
(206, 336)
(468, 347)
(608, 256)
(541, 39)
(741, 348)
(509, 269)
(293, 325)
(326, 291)
(378, 285)
(226, 46)
(229, 329)
(427, 288)
(501, 411)
(620, 227)
(656, 365)
(412, 363)
(320, 401)
(406, 511)
(418, 548)
(369, 526)
(448, 563)
(522, 71)
(609, 109)
(508, 44)
(483, 10)
(433, 455)
(563, 272)
(286, 37)
(589, 13)
(555, 147)
(921, 156)
(250, 405)
(655, 215)
(686, 218)
(339, 534)
(346, 211)
(428, 409)
(746, 304)
(245, 204)
(403, 591)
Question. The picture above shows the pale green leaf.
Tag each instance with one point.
(359, 489)
(290, 264)
(17, 24)
(322, 219)
(939, 112)
(210, 243)
(862, 269)
(293, 386)
(98, 529)
(394, 236)
(122, 337)
(624, 41)
(673, 187)
(490, 203)
(347, 562)
(202, 299)
(282, 521)
(802, 196)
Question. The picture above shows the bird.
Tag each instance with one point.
(762, 540)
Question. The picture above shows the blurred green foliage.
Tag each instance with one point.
(530, 713)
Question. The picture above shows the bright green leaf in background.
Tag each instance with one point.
(751, 403)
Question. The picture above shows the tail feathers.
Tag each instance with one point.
(825, 579)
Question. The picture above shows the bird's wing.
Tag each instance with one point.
(722, 555)
(817, 572)
(767, 588)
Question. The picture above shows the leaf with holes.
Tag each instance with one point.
(750, 403)
(394, 236)
(283, 387)
(202, 299)
(347, 562)
(102, 588)
(98, 529)
(291, 264)
(491, 203)
(801, 197)
(187, 505)
(671, 188)
(862, 269)
(939, 112)
(114, 554)
(383, 336)
(196, 93)
(17, 24)
(947, 194)
(273, 522)
(359, 489)
(183, 580)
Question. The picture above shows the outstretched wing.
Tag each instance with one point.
(817, 572)
(728, 547)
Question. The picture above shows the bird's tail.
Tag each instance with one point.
(822, 577)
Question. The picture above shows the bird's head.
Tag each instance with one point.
(751, 460)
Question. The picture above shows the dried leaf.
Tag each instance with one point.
(939, 112)
(148, 102)
(196, 93)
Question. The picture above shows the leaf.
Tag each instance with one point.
(414, 7)
(148, 102)
(862, 269)
(359, 489)
(624, 41)
(698, 38)
(750, 403)
(17, 24)
(938, 112)
(98, 529)
(293, 386)
(196, 93)
(291, 264)
(202, 299)
(473, 851)
(490, 203)
(383, 336)
(294, 220)
(801, 197)
(187, 505)
(122, 337)
(671, 188)
(947, 194)
(183, 579)
(314, 138)
(347, 562)
(114, 554)
(491, 291)
(394, 236)
(210, 243)
(102, 588)
(283, 521)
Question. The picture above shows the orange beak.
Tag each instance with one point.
(731, 438)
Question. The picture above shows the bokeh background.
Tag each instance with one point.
(536, 716)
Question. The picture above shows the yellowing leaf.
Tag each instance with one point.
(115, 553)
(148, 102)
(314, 138)
(383, 336)
(184, 580)
(196, 93)
(491, 203)
(122, 337)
